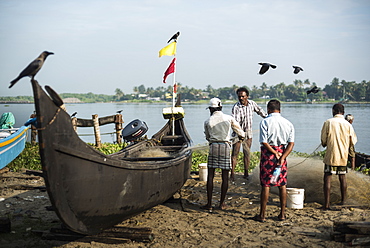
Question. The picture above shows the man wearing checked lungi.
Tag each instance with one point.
(218, 133)
(277, 141)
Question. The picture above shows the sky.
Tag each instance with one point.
(100, 46)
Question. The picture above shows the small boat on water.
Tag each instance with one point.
(12, 143)
(91, 191)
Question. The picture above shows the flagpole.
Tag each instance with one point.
(173, 100)
(171, 50)
(173, 86)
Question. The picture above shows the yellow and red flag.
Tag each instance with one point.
(168, 50)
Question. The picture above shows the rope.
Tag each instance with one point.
(50, 122)
(309, 155)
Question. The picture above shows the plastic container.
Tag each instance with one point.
(295, 198)
(203, 172)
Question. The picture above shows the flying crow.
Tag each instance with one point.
(33, 68)
(313, 90)
(297, 69)
(265, 67)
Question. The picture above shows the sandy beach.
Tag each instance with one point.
(180, 222)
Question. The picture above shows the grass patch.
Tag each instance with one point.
(28, 159)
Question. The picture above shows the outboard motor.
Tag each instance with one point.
(134, 130)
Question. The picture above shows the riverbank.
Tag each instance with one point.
(182, 222)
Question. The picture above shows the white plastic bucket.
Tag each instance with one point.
(203, 172)
(295, 198)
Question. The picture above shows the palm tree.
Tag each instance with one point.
(307, 82)
(264, 88)
(362, 91)
(150, 91)
(279, 88)
(141, 89)
(136, 89)
(291, 92)
(254, 93)
(118, 94)
(298, 83)
(335, 88)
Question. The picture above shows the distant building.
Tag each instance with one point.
(205, 95)
(153, 98)
(71, 100)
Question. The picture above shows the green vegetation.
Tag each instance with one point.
(364, 171)
(16, 99)
(296, 91)
(320, 154)
(109, 148)
(88, 97)
(28, 159)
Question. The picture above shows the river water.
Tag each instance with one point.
(306, 118)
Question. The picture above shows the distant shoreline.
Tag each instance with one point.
(15, 102)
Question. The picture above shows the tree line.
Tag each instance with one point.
(297, 91)
(336, 90)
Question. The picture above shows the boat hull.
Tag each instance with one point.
(12, 146)
(91, 191)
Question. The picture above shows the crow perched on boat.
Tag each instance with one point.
(119, 111)
(297, 69)
(265, 67)
(74, 114)
(313, 90)
(174, 37)
(33, 68)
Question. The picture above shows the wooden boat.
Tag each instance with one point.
(362, 160)
(12, 145)
(91, 191)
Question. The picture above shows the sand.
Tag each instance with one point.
(182, 223)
